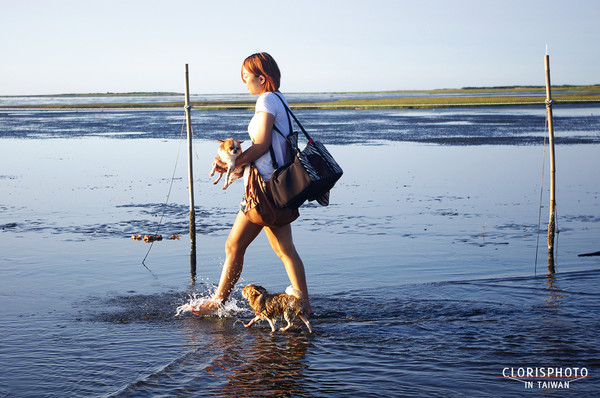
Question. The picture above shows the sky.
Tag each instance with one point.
(54, 46)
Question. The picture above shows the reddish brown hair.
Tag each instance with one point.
(262, 64)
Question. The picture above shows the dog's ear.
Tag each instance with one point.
(250, 291)
(257, 291)
(260, 289)
(262, 299)
(220, 141)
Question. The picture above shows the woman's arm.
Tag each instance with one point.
(261, 144)
(262, 140)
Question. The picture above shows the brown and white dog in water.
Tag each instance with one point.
(229, 150)
(272, 306)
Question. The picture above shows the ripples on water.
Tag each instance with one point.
(435, 339)
(421, 274)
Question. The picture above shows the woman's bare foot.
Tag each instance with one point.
(208, 308)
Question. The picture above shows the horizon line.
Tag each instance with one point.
(175, 93)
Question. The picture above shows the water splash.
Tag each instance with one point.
(229, 308)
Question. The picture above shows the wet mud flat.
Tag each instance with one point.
(421, 270)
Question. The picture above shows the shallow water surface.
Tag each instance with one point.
(422, 270)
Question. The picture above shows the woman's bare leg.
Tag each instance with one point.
(242, 234)
(283, 245)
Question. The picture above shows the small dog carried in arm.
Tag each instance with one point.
(272, 306)
(229, 150)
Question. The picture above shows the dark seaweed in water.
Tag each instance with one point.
(168, 219)
(483, 126)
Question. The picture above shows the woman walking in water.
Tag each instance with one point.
(261, 77)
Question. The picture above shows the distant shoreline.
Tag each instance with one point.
(492, 89)
(107, 94)
(440, 98)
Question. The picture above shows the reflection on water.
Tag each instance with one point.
(554, 293)
(260, 364)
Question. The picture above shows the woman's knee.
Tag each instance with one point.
(242, 234)
(286, 250)
(233, 247)
(282, 243)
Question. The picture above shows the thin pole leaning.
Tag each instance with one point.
(552, 222)
(190, 176)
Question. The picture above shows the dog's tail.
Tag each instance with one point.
(293, 292)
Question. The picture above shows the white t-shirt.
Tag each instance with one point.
(268, 102)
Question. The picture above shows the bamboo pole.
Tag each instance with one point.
(190, 177)
(552, 222)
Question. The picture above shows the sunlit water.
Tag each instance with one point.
(422, 271)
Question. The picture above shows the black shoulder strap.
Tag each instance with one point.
(289, 112)
(273, 160)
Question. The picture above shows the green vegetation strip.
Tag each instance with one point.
(441, 102)
(431, 99)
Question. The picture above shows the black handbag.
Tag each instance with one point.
(310, 174)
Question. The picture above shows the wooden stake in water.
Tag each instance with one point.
(190, 176)
(552, 222)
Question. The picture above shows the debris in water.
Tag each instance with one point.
(589, 254)
(153, 238)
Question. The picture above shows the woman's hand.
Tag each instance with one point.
(221, 167)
